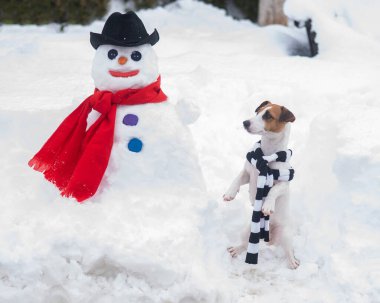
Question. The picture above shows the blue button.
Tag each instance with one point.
(135, 145)
(130, 120)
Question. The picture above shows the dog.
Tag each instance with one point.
(272, 122)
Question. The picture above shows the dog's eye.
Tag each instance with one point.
(136, 56)
(112, 54)
(267, 116)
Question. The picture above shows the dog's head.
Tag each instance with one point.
(269, 118)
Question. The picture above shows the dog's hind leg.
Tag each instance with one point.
(280, 230)
(237, 250)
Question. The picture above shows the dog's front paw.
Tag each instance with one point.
(229, 195)
(268, 207)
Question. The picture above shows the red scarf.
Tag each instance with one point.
(75, 159)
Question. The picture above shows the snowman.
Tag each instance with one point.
(127, 135)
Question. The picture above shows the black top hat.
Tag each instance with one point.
(123, 30)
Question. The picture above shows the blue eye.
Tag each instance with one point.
(136, 56)
(112, 54)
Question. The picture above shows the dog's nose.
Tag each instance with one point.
(246, 123)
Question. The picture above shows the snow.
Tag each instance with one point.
(170, 246)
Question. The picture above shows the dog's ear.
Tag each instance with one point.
(265, 103)
(286, 115)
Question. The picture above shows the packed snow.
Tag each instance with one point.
(169, 245)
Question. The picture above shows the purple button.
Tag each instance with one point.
(130, 120)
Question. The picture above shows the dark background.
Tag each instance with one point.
(86, 11)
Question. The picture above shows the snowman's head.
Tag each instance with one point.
(116, 67)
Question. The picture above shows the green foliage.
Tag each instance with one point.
(154, 3)
(218, 3)
(85, 11)
(47, 11)
(250, 8)
(150, 3)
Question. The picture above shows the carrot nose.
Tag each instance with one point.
(122, 60)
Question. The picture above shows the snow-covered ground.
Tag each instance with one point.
(169, 248)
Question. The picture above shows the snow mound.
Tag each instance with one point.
(167, 246)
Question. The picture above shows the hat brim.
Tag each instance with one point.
(100, 39)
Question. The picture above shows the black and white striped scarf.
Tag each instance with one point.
(260, 223)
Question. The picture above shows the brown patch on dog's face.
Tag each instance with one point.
(275, 116)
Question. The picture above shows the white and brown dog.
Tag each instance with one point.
(272, 123)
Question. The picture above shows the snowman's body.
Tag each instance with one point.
(152, 146)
